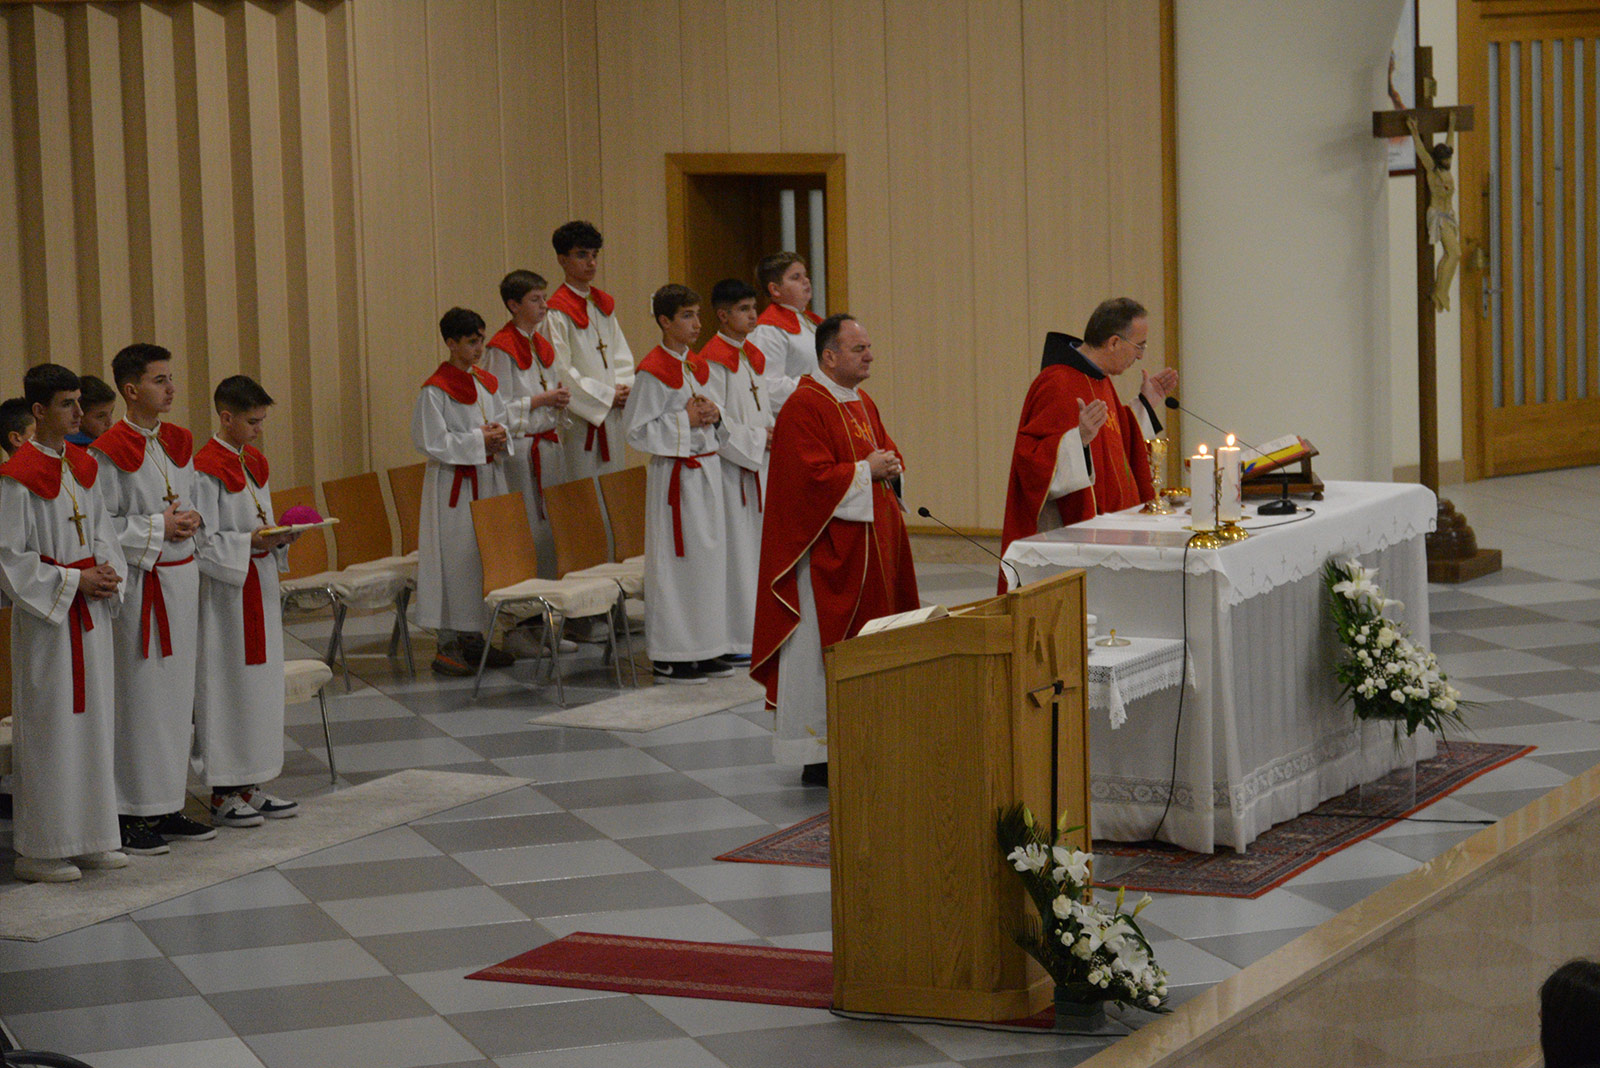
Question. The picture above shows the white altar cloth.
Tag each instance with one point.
(1263, 736)
(1119, 674)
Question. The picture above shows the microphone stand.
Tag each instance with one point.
(1056, 689)
(1015, 574)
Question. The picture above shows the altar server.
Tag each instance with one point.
(738, 388)
(147, 481)
(61, 567)
(1080, 452)
(592, 353)
(99, 404)
(523, 361)
(834, 549)
(16, 424)
(238, 707)
(685, 576)
(787, 330)
(459, 424)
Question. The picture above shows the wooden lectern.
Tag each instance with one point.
(932, 728)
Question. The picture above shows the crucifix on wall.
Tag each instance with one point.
(1453, 553)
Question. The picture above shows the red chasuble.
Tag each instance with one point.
(785, 319)
(1121, 464)
(566, 301)
(41, 473)
(511, 342)
(859, 571)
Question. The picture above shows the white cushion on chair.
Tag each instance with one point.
(290, 589)
(628, 575)
(405, 566)
(303, 678)
(573, 598)
(367, 587)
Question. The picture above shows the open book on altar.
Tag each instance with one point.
(905, 619)
(1279, 452)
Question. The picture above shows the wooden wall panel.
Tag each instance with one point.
(216, 275)
(107, 156)
(1133, 133)
(581, 58)
(57, 214)
(803, 69)
(13, 332)
(755, 97)
(709, 97)
(534, 165)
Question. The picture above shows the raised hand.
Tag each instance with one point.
(1091, 417)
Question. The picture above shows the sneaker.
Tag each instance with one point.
(681, 672)
(716, 668)
(232, 810)
(178, 827)
(273, 808)
(103, 860)
(46, 870)
(736, 659)
(449, 661)
(140, 838)
(472, 652)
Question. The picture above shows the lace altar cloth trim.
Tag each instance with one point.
(1118, 675)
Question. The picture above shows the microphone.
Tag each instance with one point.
(924, 513)
(1172, 402)
(1283, 505)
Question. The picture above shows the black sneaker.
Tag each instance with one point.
(472, 652)
(449, 661)
(716, 668)
(180, 828)
(736, 659)
(678, 672)
(138, 837)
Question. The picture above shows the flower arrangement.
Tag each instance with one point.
(1093, 954)
(1385, 674)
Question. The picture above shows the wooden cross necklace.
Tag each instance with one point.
(77, 517)
(261, 513)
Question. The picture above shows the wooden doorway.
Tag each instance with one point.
(726, 211)
(1530, 292)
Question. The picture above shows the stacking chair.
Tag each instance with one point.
(624, 496)
(405, 486)
(510, 562)
(303, 680)
(308, 585)
(580, 537)
(5, 691)
(364, 544)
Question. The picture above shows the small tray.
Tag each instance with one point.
(298, 528)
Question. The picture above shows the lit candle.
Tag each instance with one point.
(1230, 503)
(1203, 490)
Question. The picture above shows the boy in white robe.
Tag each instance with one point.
(671, 418)
(147, 483)
(459, 424)
(61, 568)
(238, 705)
(738, 388)
(786, 332)
(523, 361)
(595, 360)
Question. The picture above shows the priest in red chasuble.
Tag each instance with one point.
(1080, 451)
(834, 550)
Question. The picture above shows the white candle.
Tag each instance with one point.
(1230, 502)
(1203, 490)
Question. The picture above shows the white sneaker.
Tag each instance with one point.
(46, 870)
(103, 860)
(273, 808)
(232, 810)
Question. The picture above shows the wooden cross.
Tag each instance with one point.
(171, 498)
(753, 395)
(600, 343)
(77, 519)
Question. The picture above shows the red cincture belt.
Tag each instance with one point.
(155, 604)
(674, 496)
(78, 624)
(538, 468)
(605, 444)
(755, 475)
(255, 614)
(464, 473)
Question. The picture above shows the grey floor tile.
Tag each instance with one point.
(450, 991)
(1063, 1058)
(128, 1024)
(1574, 763)
(785, 915)
(473, 721)
(692, 849)
(607, 893)
(76, 986)
(759, 779)
(705, 1016)
(530, 741)
(397, 843)
(503, 1032)
(690, 923)
(1539, 683)
(206, 1053)
(1339, 896)
(524, 801)
(477, 946)
(657, 1053)
(717, 727)
(392, 914)
(723, 881)
(1245, 949)
(421, 1042)
(220, 931)
(782, 807)
(857, 1043)
(1496, 662)
(1503, 803)
(1511, 713)
(1584, 654)
(1425, 847)
(314, 1005)
(300, 964)
(729, 753)
(416, 753)
(467, 767)
(362, 731)
(109, 941)
(1477, 619)
(335, 882)
(506, 832)
(1447, 643)
(560, 860)
(626, 790)
(262, 889)
(590, 764)
(622, 822)
(1581, 611)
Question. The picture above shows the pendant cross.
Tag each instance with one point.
(600, 343)
(171, 498)
(753, 394)
(77, 519)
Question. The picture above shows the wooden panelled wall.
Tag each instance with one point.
(297, 189)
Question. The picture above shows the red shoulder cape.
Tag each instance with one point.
(566, 301)
(124, 446)
(458, 385)
(785, 319)
(1121, 464)
(859, 571)
(511, 342)
(41, 473)
(717, 350)
(223, 464)
(667, 367)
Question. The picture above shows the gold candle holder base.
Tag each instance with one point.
(1113, 641)
(1231, 532)
(1206, 539)
(1159, 506)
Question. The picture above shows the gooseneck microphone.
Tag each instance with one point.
(1172, 402)
(1283, 505)
(924, 513)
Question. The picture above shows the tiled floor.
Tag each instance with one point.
(355, 955)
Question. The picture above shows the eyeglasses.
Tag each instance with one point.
(1140, 346)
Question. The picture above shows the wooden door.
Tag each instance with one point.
(1530, 316)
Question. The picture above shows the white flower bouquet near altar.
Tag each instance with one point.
(1384, 673)
(1094, 954)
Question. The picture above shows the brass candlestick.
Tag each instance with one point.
(1213, 537)
(1158, 478)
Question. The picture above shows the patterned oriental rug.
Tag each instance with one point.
(1271, 860)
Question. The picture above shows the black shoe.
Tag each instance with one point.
(678, 672)
(5, 806)
(814, 774)
(716, 668)
(180, 828)
(472, 651)
(736, 659)
(138, 837)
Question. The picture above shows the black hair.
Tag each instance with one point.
(672, 298)
(16, 415)
(43, 381)
(1569, 1015)
(458, 323)
(520, 283)
(1112, 319)
(129, 364)
(576, 234)
(828, 330)
(240, 393)
(730, 291)
(93, 391)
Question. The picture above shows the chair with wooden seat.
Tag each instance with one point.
(624, 496)
(308, 584)
(511, 588)
(579, 530)
(405, 486)
(364, 544)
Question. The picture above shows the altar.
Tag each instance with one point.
(1263, 735)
